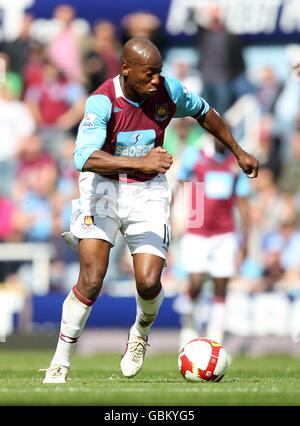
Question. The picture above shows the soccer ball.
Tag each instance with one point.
(203, 360)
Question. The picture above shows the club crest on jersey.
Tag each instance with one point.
(161, 112)
(88, 222)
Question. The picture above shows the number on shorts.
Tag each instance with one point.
(166, 240)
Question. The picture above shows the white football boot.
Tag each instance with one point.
(71, 240)
(133, 358)
(56, 374)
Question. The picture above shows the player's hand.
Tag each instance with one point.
(158, 160)
(248, 164)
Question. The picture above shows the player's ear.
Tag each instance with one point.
(125, 68)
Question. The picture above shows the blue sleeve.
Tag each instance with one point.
(242, 188)
(92, 130)
(187, 103)
(189, 158)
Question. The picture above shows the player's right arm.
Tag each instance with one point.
(89, 156)
(156, 161)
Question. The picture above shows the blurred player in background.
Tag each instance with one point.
(123, 187)
(210, 247)
(221, 63)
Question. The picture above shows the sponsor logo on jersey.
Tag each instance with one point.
(136, 143)
(136, 138)
(88, 222)
(134, 151)
(161, 112)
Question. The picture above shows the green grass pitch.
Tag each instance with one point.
(96, 380)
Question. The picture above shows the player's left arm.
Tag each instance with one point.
(213, 123)
(189, 104)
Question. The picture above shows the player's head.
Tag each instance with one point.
(141, 66)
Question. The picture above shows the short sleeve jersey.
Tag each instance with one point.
(122, 127)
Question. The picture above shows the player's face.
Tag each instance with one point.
(143, 79)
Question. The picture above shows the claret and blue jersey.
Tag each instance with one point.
(223, 183)
(122, 127)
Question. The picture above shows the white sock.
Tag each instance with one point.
(74, 316)
(146, 312)
(215, 328)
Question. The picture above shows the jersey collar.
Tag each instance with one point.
(120, 94)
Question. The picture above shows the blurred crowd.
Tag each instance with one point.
(41, 104)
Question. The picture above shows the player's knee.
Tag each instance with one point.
(92, 281)
(148, 288)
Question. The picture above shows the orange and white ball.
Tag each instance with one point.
(203, 360)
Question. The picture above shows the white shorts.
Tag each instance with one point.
(213, 255)
(140, 210)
